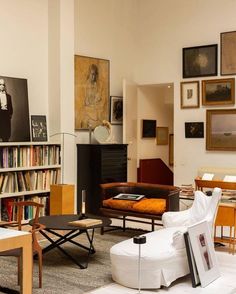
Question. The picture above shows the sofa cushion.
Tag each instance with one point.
(151, 205)
(118, 204)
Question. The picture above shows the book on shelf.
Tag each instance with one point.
(87, 222)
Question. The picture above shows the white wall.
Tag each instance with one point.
(106, 29)
(153, 103)
(24, 48)
(166, 27)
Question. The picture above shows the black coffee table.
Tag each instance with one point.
(55, 223)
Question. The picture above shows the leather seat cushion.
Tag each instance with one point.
(118, 204)
(151, 205)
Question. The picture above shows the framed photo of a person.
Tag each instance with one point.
(39, 128)
(200, 61)
(189, 93)
(91, 91)
(204, 254)
(218, 92)
(116, 110)
(228, 56)
(14, 110)
(220, 129)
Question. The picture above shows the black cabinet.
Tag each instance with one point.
(98, 164)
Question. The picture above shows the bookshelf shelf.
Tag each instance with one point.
(27, 169)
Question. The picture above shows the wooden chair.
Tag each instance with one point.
(36, 227)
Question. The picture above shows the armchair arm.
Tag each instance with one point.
(176, 218)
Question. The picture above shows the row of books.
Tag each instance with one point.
(18, 156)
(28, 180)
(9, 212)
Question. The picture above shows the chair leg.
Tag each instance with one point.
(153, 225)
(123, 223)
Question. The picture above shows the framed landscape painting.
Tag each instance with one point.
(218, 92)
(91, 91)
(189, 93)
(221, 129)
(228, 56)
(200, 61)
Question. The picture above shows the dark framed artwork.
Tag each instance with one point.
(218, 92)
(189, 93)
(39, 128)
(116, 110)
(228, 56)
(194, 130)
(200, 61)
(148, 128)
(220, 129)
(162, 135)
(14, 110)
(91, 91)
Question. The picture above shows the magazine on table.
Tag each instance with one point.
(124, 196)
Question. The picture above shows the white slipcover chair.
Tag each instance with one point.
(163, 256)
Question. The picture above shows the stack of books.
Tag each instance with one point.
(85, 223)
(187, 190)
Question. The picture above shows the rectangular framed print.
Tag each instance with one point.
(200, 61)
(116, 110)
(228, 56)
(189, 94)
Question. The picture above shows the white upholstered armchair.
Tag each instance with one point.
(164, 257)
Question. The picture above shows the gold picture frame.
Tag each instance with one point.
(228, 57)
(220, 129)
(218, 92)
(171, 149)
(189, 93)
(162, 134)
(91, 91)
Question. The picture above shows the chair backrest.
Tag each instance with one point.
(205, 207)
(20, 212)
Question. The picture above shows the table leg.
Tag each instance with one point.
(27, 268)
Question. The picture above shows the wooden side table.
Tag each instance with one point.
(226, 216)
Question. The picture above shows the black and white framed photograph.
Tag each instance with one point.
(14, 110)
(204, 254)
(39, 128)
(194, 130)
(116, 110)
(189, 93)
(148, 128)
(200, 61)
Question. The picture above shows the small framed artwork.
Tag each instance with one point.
(194, 130)
(171, 149)
(228, 57)
(191, 262)
(92, 79)
(39, 128)
(200, 61)
(204, 254)
(148, 128)
(162, 134)
(116, 110)
(189, 93)
(220, 129)
(218, 92)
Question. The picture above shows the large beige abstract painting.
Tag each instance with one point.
(91, 91)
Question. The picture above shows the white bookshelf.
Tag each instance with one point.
(27, 169)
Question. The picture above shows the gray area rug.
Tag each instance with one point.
(61, 275)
